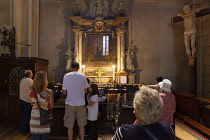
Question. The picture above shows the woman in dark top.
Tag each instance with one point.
(147, 109)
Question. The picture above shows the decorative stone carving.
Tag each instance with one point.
(131, 78)
(99, 26)
(129, 61)
(94, 24)
(122, 10)
(8, 39)
(69, 55)
(91, 9)
(99, 8)
(76, 10)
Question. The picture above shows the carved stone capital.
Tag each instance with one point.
(120, 32)
(77, 32)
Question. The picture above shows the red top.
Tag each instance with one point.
(169, 108)
(43, 98)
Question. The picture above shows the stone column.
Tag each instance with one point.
(118, 51)
(122, 52)
(76, 44)
(30, 27)
(17, 14)
(35, 40)
(80, 49)
(121, 49)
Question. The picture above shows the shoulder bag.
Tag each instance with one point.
(46, 116)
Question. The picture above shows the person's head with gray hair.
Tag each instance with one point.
(28, 74)
(148, 105)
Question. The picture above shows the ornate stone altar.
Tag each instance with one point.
(99, 42)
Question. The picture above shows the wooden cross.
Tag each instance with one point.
(99, 72)
(199, 14)
(188, 16)
(192, 71)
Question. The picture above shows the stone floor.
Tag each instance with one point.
(182, 132)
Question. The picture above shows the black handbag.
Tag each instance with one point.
(46, 116)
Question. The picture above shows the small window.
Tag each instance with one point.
(105, 45)
(15, 77)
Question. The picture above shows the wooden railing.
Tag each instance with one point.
(194, 111)
(184, 103)
(202, 111)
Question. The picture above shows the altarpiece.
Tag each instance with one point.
(99, 42)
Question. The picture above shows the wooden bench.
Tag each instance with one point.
(195, 124)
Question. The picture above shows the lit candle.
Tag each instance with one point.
(83, 69)
(113, 67)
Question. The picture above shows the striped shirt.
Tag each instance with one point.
(44, 101)
(161, 130)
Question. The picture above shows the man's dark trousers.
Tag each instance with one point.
(26, 116)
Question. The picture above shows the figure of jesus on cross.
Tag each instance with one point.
(99, 72)
(189, 17)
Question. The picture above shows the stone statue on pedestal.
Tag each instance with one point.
(122, 10)
(69, 55)
(129, 61)
(99, 8)
(76, 10)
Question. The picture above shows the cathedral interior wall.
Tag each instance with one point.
(55, 36)
(203, 56)
(157, 42)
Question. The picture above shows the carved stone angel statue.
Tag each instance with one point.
(76, 10)
(99, 8)
(69, 56)
(129, 61)
(122, 10)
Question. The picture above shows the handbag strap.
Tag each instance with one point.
(148, 132)
(37, 100)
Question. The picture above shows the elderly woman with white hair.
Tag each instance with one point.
(169, 102)
(148, 107)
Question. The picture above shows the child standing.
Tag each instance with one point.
(92, 100)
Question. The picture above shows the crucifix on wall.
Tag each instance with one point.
(189, 17)
(99, 72)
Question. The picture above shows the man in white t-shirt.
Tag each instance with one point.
(75, 86)
(25, 101)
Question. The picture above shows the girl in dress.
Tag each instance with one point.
(92, 99)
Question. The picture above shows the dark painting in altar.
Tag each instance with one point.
(99, 48)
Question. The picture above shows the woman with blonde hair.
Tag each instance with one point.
(148, 107)
(40, 92)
